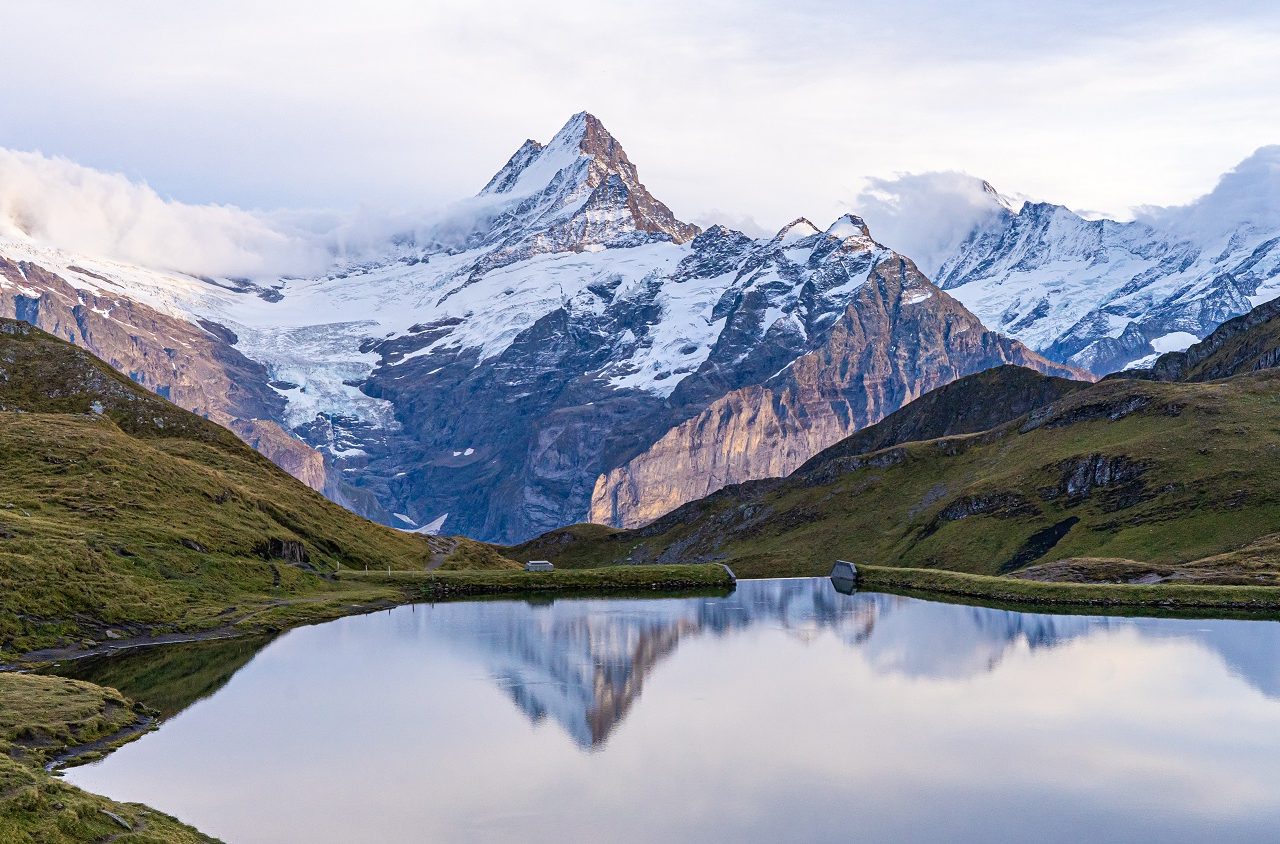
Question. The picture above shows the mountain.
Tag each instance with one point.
(489, 375)
(1128, 479)
(897, 338)
(1104, 295)
(124, 515)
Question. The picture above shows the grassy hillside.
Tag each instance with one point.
(967, 405)
(1180, 474)
(42, 717)
(123, 515)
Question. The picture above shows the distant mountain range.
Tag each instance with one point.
(1103, 295)
(569, 349)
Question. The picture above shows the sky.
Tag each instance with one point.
(745, 112)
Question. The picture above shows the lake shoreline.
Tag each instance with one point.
(398, 588)
(613, 581)
(1200, 600)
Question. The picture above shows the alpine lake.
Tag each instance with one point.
(786, 710)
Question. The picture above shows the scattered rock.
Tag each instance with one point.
(1119, 476)
(290, 550)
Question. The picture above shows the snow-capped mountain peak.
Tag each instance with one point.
(847, 226)
(1105, 294)
(796, 230)
(578, 191)
(505, 179)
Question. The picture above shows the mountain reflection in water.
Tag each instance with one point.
(583, 663)
(783, 712)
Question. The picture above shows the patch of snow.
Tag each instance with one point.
(796, 230)
(433, 527)
(402, 517)
(845, 227)
(1144, 362)
(1175, 341)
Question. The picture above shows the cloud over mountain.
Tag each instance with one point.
(927, 215)
(59, 202)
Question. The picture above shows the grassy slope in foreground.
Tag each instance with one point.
(1173, 475)
(41, 717)
(122, 514)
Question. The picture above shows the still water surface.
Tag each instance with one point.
(785, 712)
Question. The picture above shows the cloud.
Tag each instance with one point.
(925, 216)
(58, 202)
(1248, 194)
(66, 205)
(758, 107)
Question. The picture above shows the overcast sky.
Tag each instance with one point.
(732, 110)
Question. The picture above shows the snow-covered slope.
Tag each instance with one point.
(1103, 294)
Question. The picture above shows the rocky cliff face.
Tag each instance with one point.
(286, 451)
(899, 338)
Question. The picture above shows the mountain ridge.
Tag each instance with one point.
(1103, 294)
(484, 379)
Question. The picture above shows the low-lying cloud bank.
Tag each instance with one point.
(69, 206)
(1249, 193)
(64, 204)
(926, 216)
